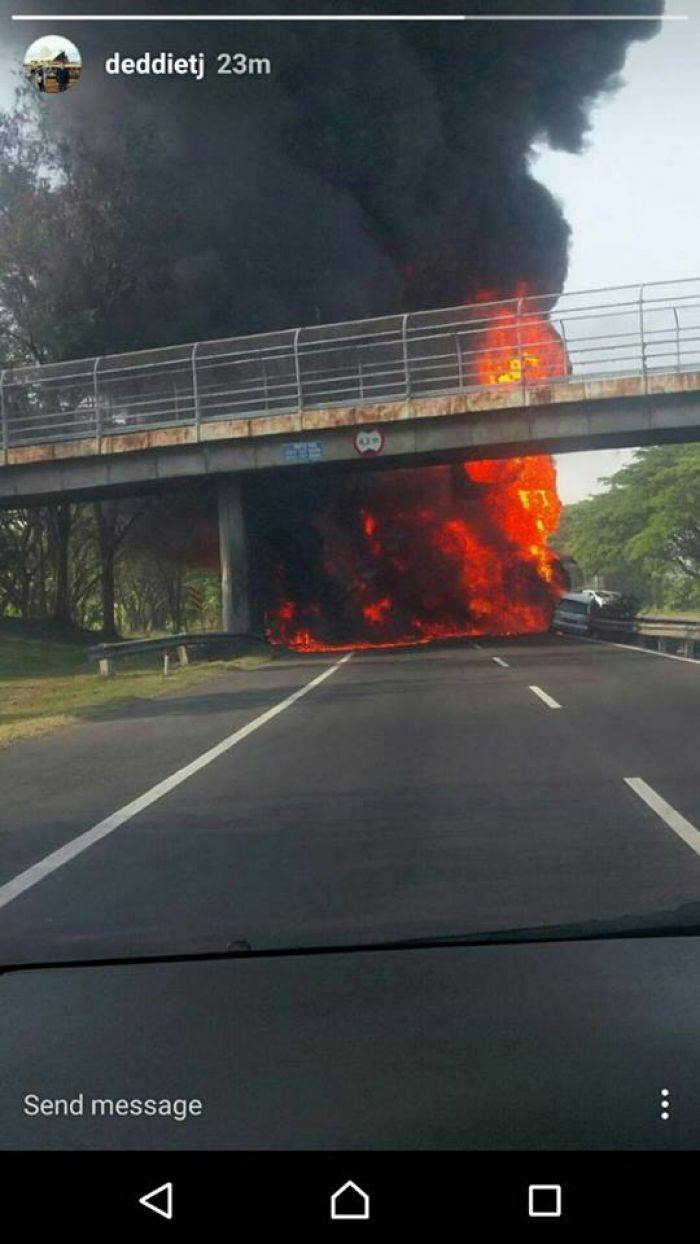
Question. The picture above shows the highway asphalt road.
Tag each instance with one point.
(408, 793)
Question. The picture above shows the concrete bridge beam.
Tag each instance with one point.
(560, 417)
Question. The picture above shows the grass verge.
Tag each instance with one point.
(44, 685)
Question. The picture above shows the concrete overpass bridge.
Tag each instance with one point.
(607, 367)
(528, 375)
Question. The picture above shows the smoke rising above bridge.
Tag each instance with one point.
(379, 169)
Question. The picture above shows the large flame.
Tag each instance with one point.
(439, 552)
(521, 346)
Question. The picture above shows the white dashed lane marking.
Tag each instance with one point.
(546, 699)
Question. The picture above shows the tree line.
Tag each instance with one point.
(114, 567)
(86, 268)
(641, 535)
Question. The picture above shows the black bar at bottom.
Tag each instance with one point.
(385, 1193)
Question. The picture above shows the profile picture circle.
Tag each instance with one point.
(52, 64)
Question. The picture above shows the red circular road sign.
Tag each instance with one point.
(369, 441)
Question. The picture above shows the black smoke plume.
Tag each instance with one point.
(379, 168)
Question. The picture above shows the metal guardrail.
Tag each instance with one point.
(106, 654)
(683, 633)
(606, 333)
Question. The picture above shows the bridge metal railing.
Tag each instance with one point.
(619, 332)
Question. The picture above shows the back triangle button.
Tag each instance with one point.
(160, 1200)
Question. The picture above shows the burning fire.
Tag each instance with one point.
(518, 349)
(439, 552)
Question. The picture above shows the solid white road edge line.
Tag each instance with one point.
(649, 652)
(500, 661)
(31, 876)
(673, 819)
(546, 699)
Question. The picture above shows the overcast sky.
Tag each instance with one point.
(632, 198)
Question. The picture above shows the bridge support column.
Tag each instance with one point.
(233, 558)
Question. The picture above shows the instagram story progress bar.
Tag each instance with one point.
(348, 17)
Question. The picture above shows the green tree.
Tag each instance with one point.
(642, 534)
(77, 252)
